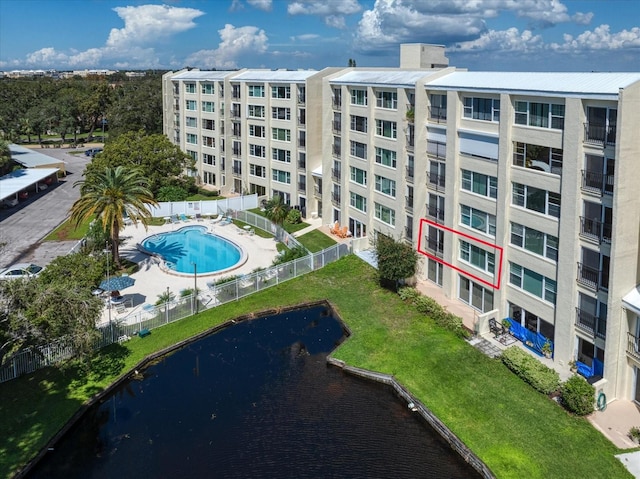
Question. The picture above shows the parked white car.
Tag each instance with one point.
(21, 270)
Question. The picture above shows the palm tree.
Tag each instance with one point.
(5, 157)
(276, 210)
(110, 195)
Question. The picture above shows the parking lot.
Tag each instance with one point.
(23, 227)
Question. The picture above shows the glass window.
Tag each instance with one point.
(385, 185)
(388, 129)
(281, 155)
(358, 176)
(189, 87)
(387, 99)
(358, 202)
(281, 176)
(359, 97)
(486, 109)
(359, 150)
(478, 220)
(208, 106)
(191, 105)
(191, 122)
(208, 89)
(480, 184)
(386, 157)
(532, 282)
(281, 92)
(384, 214)
(359, 123)
(256, 91)
(281, 134)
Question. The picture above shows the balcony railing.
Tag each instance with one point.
(408, 233)
(435, 246)
(599, 134)
(302, 164)
(235, 114)
(633, 346)
(408, 173)
(410, 143)
(335, 198)
(237, 171)
(409, 203)
(237, 151)
(337, 103)
(437, 114)
(302, 99)
(336, 175)
(337, 151)
(435, 213)
(437, 149)
(302, 187)
(597, 182)
(337, 126)
(436, 181)
(592, 278)
(591, 324)
(594, 229)
(302, 142)
(317, 192)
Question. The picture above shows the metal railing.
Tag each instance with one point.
(633, 346)
(591, 324)
(592, 228)
(124, 327)
(599, 134)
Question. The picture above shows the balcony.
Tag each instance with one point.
(437, 114)
(302, 164)
(408, 233)
(410, 143)
(437, 149)
(302, 99)
(591, 324)
(337, 151)
(237, 151)
(408, 174)
(235, 113)
(237, 171)
(595, 230)
(336, 175)
(597, 183)
(302, 142)
(337, 126)
(436, 247)
(317, 192)
(435, 213)
(408, 204)
(435, 181)
(335, 198)
(337, 103)
(598, 134)
(592, 278)
(302, 187)
(633, 346)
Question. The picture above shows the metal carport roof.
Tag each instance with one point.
(18, 180)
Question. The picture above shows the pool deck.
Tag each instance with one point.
(152, 280)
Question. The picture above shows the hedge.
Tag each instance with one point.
(532, 371)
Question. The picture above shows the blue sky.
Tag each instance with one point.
(517, 35)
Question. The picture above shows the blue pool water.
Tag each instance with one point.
(182, 248)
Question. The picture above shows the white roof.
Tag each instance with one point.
(632, 300)
(317, 171)
(31, 159)
(202, 75)
(390, 78)
(19, 180)
(565, 84)
(283, 76)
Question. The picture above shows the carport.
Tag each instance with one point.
(33, 159)
(20, 182)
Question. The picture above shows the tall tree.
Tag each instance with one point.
(159, 160)
(5, 157)
(110, 194)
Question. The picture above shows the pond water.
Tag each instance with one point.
(256, 399)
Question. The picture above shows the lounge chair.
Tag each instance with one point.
(174, 219)
(184, 217)
(343, 232)
(217, 219)
(199, 217)
(335, 229)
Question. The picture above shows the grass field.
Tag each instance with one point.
(516, 431)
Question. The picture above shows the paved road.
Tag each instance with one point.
(23, 227)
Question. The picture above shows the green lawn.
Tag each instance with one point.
(517, 432)
(315, 241)
(67, 231)
(288, 227)
(198, 197)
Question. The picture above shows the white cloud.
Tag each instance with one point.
(45, 57)
(150, 23)
(510, 40)
(600, 39)
(235, 42)
(260, 4)
(333, 11)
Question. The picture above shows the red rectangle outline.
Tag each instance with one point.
(464, 235)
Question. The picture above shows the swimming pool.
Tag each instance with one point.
(183, 248)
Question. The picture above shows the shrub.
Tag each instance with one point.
(431, 308)
(532, 371)
(578, 395)
(172, 193)
(293, 217)
(203, 192)
(634, 434)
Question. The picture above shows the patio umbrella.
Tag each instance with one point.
(117, 283)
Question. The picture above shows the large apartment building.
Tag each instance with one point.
(518, 189)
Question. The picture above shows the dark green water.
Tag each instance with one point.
(255, 400)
